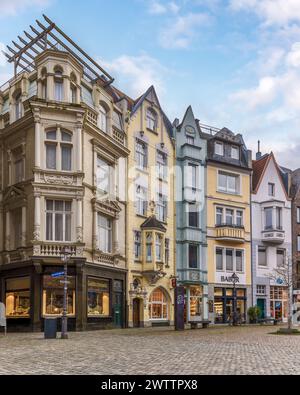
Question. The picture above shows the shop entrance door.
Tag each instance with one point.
(118, 310)
(261, 304)
(136, 313)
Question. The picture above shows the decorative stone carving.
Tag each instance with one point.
(79, 234)
(58, 179)
(37, 250)
(37, 233)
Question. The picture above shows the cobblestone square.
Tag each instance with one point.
(217, 350)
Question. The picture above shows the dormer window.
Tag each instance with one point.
(219, 149)
(103, 118)
(151, 120)
(58, 84)
(235, 153)
(18, 106)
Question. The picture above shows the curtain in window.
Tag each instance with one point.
(66, 158)
(51, 156)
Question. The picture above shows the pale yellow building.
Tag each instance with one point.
(150, 237)
(228, 226)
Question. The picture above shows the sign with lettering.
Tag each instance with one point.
(59, 274)
(179, 308)
(226, 278)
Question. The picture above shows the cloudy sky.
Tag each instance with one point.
(237, 62)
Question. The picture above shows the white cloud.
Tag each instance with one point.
(13, 7)
(157, 8)
(138, 73)
(273, 12)
(293, 57)
(2, 56)
(181, 32)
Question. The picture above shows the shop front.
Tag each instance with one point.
(95, 300)
(224, 304)
(194, 303)
(279, 303)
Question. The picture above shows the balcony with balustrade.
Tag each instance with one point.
(230, 233)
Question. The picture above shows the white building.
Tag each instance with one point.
(271, 235)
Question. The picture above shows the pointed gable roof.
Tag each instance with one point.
(259, 169)
(153, 223)
(189, 114)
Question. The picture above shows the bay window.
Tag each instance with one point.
(137, 245)
(58, 84)
(268, 218)
(193, 256)
(192, 176)
(149, 247)
(158, 248)
(105, 234)
(167, 251)
(193, 215)
(58, 220)
(239, 218)
(239, 261)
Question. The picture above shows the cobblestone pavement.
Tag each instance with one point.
(223, 350)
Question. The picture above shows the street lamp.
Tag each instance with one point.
(65, 257)
(234, 279)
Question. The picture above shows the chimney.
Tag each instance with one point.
(258, 154)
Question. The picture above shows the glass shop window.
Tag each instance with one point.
(53, 296)
(17, 297)
(98, 298)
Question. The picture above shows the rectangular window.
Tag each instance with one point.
(161, 208)
(98, 298)
(190, 140)
(239, 265)
(298, 215)
(298, 243)
(239, 218)
(53, 296)
(105, 234)
(278, 218)
(141, 201)
(51, 156)
(261, 290)
(103, 175)
(149, 247)
(58, 90)
(158, 248)
(262, 256)
(58, 220)
(280, 257)
(268, 218)
(219, 259)
(137, 245)
(162, 165)
(141, 154)
(229, 260)
(192, 176)
(219, 149)
(17, 227)
(17, 297)
(167, 252)
(271, 189)
(235, 153)
(66, 158)
(219, 216)
(229, 217)
(228, 183)
(193, 256)
(193, 215)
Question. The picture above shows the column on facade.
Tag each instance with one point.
(205, 302)
(116, 245)
(95, 229)
(37, 143)
(66, 90)
(37, 217)
(79, 229)
(7, 231)
(24, 224)
(79, 147)
(9, 159)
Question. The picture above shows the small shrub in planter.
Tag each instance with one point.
(253, 314)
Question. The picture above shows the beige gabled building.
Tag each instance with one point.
(63, 154)
(150, 238)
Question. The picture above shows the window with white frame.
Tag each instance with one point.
(193, 256)
(261, 289)
(193, 215)
(162, 165)
(239, 218)
(151, 117)
(104, 234)
(158, 247)
(104, 172)
(278, 218)
(137, 245)
(231, 259)
(58, 84)
(219, 216)
(103, 115)
(149, 247)
(235, 153)
(141, 154)
(167, 251)
(59, 149)
(271, 189)
(192, 175)
(141, 200)
(268, 218)
(229, 216)
(262, 256)
(58, 220)
(219, 148)
(280, 257)
(161, 207)
(228, 183)
(190, 140)
(233, 217)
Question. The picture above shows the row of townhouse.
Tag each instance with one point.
(143, 204)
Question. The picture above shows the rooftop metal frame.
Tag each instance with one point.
(49, 36)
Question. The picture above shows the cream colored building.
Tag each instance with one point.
(63, 158)
(150, 214)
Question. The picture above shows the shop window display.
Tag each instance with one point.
(158, 305)
(18, 297)
(53, 296)
(195, 302)
(98, 298)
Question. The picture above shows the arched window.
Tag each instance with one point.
(18, 106)
(103, 118)
(58, 84)
(59, 147)
(151, 119)
(73, 88)
(158, 305)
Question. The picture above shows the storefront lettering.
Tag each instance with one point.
(228, 279)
